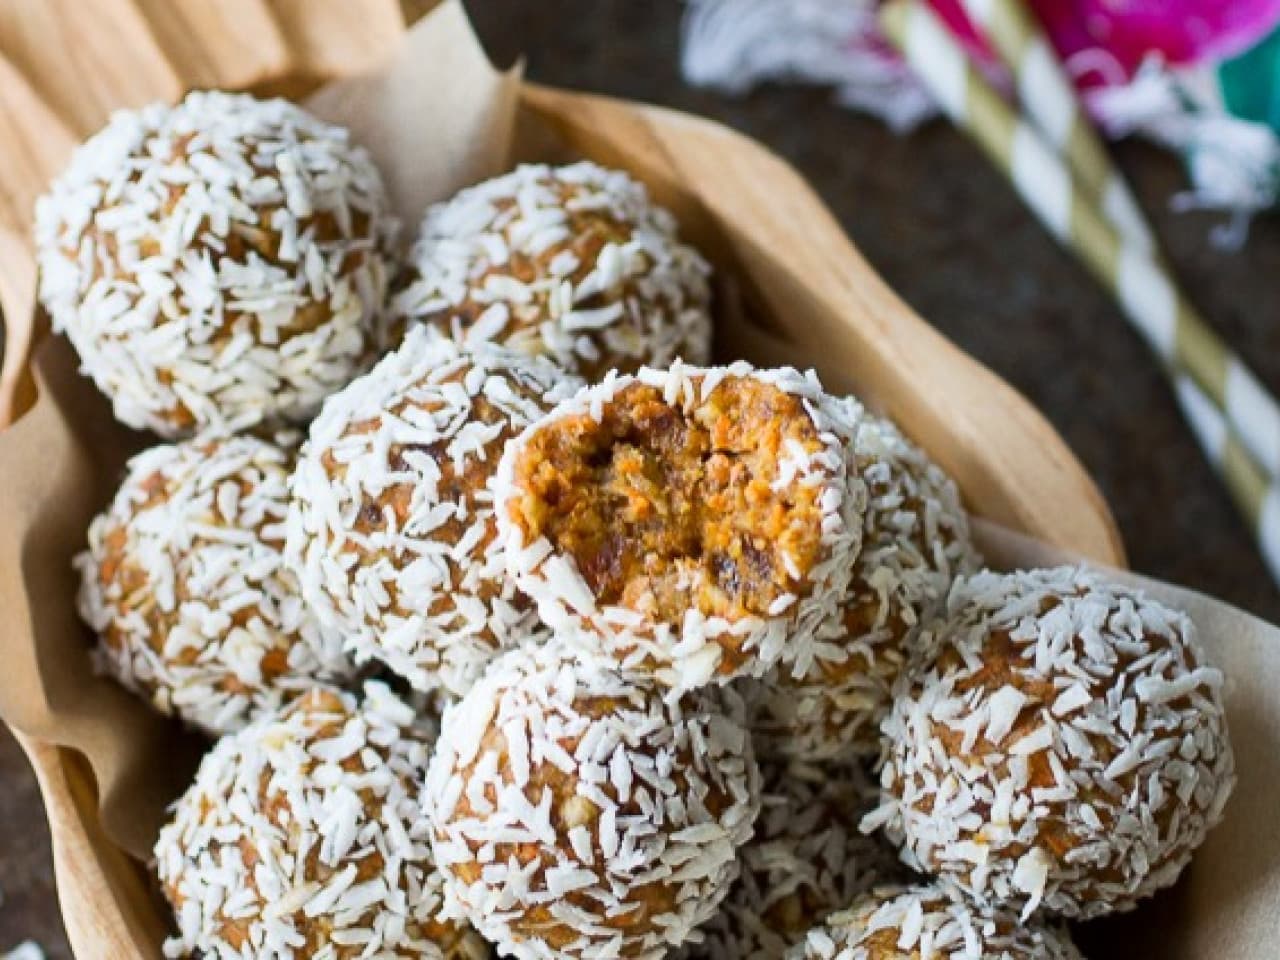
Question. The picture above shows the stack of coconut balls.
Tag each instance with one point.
(550, 640)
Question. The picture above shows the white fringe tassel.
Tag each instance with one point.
(733, 45)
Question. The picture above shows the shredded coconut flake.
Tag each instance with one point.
(276, 851)
(184, 581)
(1103, 759)
(391, 525)
(577, 858)
(806, 859)
(915, 542)
(925, 922)
(574, 262)
(217, 263)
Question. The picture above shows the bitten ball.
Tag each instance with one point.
(580, 812)
(1061, 743)
(391, 525)
(699, 523)
(919, 923)
(304, 835)
(573, 262)
(216, 263)
(915, 542)
(185, 583)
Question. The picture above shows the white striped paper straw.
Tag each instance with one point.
(1050, 99)
(1051, 102)
(1236, 422)
(1255, 492)
(1149, 296)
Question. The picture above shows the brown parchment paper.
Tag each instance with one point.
(436, 118)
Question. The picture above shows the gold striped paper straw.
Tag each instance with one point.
(1254, 491)
(1050, 99)
(1236, 422)
(1150, 298)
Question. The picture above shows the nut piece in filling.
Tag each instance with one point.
(697, 523)
(915, 542)
(304, 835)
(216, 263)
(1060, 743)
(582, 812)
(806, 859)
(391, 527)
(185, 583)
(571, 262)
(924, 923)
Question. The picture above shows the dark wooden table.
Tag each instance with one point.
(951, 237)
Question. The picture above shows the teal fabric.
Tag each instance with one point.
(1251, 83)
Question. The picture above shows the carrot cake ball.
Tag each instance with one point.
(1060, 743)
(915, 542)
(573, 262)
(391, 526)
(304, 835)
(216, 263)
(579, 811)
(185, 583)
(806, 859)
(699, 523)
(923, 923)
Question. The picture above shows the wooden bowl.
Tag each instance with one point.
(765, 225)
